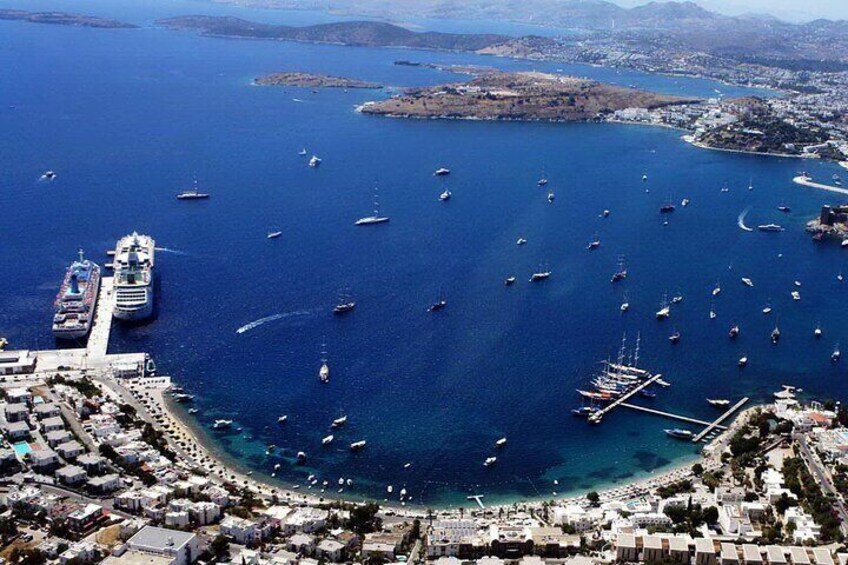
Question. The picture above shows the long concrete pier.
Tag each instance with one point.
(806, 181)
(686, 419)
(98, 339)
(719, 420)
(598, 416)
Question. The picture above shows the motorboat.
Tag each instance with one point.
(357, 445)
(301, 457)
(679, 434)
(551, 196)
(490, 461)
(445, 196)
(442, 171)
(747, 282)
(817, 332)
(770, 227)
(718, 402)
(775, 335)
(767, 309)
(501, 442)
(520, 241)
(795, 295)
(339, 422)
(663, 312)
(743, 361)
(674, 337)
(540, 276)
(282, 419)
(836, 355)
(314, 162)
(677, 299)
(509, 281)
(734, 332)
(327, 440)
(274, 234)
(48, 175)
(542, 182)
(222, 424)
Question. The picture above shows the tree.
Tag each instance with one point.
(711, 515)
(593, 497)
(697, 469)
(220, 547)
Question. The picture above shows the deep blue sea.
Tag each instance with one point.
(127, 117)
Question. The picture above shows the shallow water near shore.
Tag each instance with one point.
(126, 117)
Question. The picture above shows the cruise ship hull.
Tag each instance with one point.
(134, 309)
(134, 261)
(76, 302)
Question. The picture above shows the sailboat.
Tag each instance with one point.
(775, 334)
(440, 303)
(345, 304)
(625, 305)
(621, 272)
(834, 357)
(376, 218)
(664, 311)
(713, 314)
(324, 371)
(543, 273)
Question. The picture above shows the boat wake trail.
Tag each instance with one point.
(266, 319)
(740, 221)
(167, 250)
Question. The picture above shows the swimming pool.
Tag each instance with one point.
(21, 448)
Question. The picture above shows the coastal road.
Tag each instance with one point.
(821, 476)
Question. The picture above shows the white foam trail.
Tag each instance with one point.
(167, 250)
(740, 221)
(296, 100)
(266, 319)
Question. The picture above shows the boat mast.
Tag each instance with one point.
(636, 353)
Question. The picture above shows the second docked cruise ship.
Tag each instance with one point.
(133, 264)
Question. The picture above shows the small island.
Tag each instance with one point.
(527, 96)
(309, 80)
(63, 18)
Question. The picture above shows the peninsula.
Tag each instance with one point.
(309, 80)
(361, 33)
(520, 96)
(63, 18)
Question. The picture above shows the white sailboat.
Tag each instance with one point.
(376, 218)
(324, 371)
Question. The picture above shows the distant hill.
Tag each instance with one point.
(63, 18)
(362, 33)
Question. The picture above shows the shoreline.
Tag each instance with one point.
(222, 468)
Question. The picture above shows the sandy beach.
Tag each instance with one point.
(196, 455)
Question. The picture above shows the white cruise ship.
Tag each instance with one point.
(133, 263)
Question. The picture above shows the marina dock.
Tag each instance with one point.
(686, 419)
(598, 416)
(805, 181)
(719, 420)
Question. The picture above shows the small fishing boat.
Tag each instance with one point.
(540, 276)
(314, 162)
(817, 332)
(48, 175)
(509, 281)
(520, 241)
(836, 355)
(684, 202)
(442, 171)
(747, 282)
(718, 402)
(621, 273)
(717, 290)
(551, 196)
(594, 243)
(674, 338)
(784, 209)
(445, 196)
(770, 227)
(734, 331)
(439, 304)
(605, 213)
(677, 299)
(743, 361)
(795, 295)
(767, 309)
(542, 182)
(301, 457)
(274, 234)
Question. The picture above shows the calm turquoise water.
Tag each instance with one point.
(125, 117)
